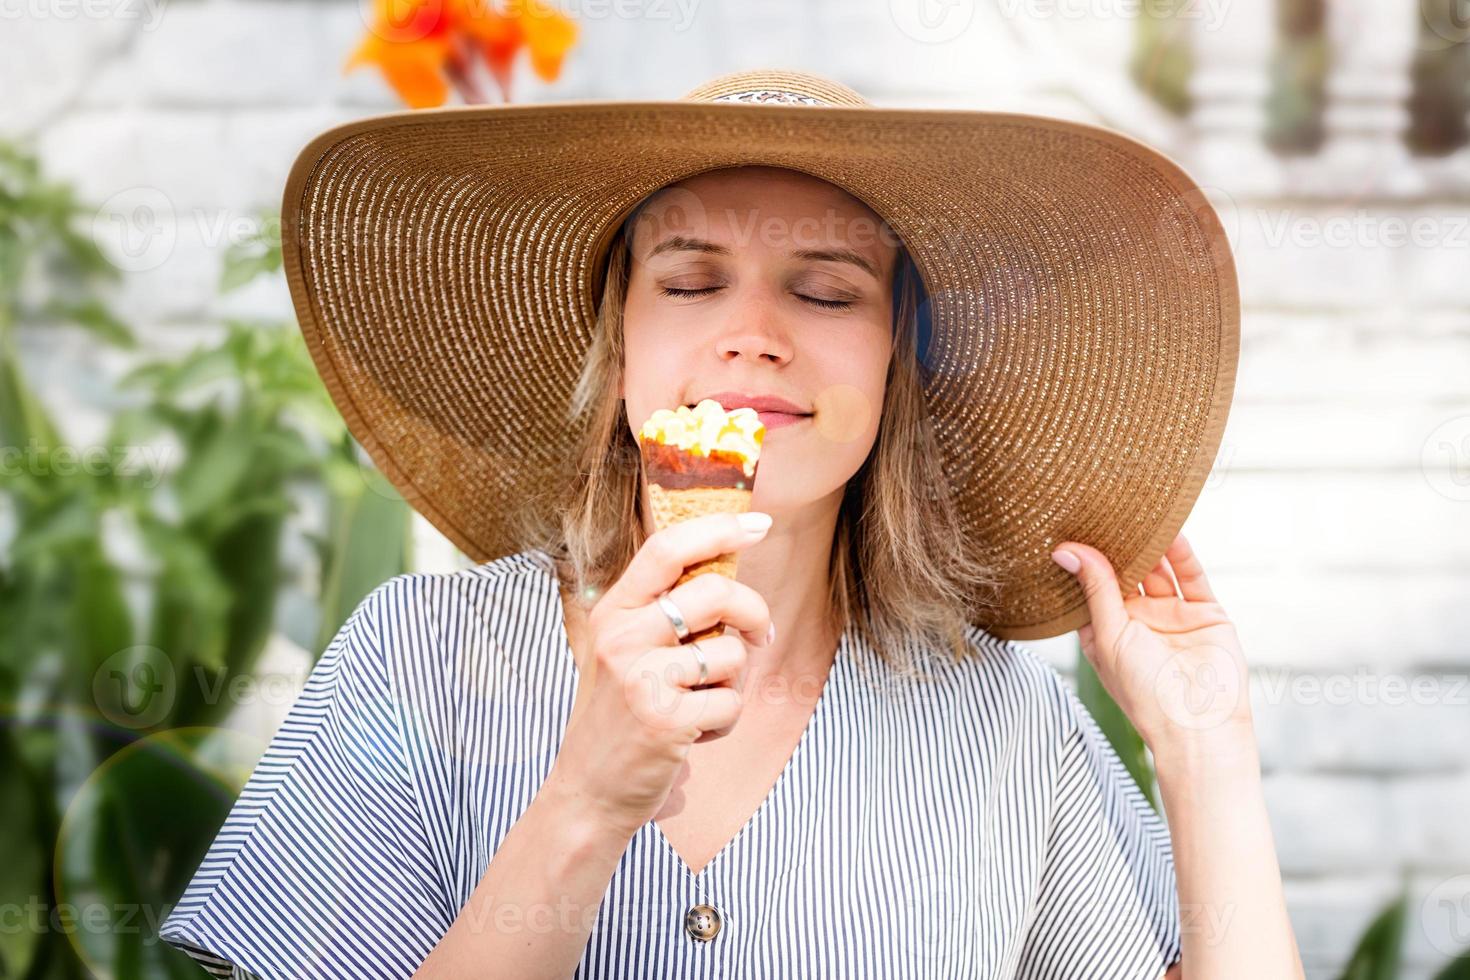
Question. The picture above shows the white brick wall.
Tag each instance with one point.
(1344, 560)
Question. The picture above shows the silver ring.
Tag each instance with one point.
(676, 618)
(703, 664)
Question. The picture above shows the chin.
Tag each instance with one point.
(788, 497)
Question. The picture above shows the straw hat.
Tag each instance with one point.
(1081, 327)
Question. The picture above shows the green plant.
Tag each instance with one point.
(1378, 954)
(1120, 732)
(114, 678)
(1163, 59)
(1300, 63)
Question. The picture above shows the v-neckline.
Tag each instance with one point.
(651, 827)
(786, 776)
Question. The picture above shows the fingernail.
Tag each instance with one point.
(770, 634)
(754, 521)
(1067, 560)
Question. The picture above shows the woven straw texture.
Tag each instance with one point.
(446, 264)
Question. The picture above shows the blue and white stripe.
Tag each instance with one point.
(974, 823)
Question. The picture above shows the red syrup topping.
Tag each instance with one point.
(675, 469)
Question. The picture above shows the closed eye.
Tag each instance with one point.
(826, 304)
(671, 291)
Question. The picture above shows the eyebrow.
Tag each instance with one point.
(682, 243)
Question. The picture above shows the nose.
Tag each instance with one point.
(755, 331)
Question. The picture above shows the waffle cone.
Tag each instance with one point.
(671, 506)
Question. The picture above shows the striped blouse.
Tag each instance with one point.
(971, 823)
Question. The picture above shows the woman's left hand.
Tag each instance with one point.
(1170, 657)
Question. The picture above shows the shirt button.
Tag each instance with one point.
(702, 922)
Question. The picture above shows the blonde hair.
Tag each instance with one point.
(901, 569)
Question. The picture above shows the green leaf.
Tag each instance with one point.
(23, 419)
(1378, 951)
(96, 317)
(137, 425)
(241, 268)
(370, 545)
(1120, 732)
(288, 451)
(257, 255)
(199, 368)
(1458, 969)
(73, 520)
(248, 558)
(194, 595)
(22, 844)
(214, 470)
(100, 616)
(1162, 60)
(135, 832)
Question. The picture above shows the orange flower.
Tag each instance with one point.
(422, 46)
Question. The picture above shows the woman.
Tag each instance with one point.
(519, 770)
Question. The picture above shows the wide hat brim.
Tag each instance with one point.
(1083, 308)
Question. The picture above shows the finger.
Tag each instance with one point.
(679, 665)
(1187, 569)
(704, 601)
(1100, 586)
(1085, 641)
(667, 552)
(713, 709)
(1159, 582)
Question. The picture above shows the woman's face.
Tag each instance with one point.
(765, 282)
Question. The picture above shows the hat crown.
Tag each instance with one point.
(776, 87)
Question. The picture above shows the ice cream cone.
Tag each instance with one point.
(698, 463)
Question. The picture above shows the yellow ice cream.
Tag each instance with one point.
(707, 427)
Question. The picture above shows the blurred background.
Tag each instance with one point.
(184, 521)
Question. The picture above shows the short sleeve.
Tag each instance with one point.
(323, 867)
(1106, 905)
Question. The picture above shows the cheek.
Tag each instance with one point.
(847, 415)
(850, 403)
(652, 364)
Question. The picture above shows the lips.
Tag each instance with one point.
(777, 420)
(774, 411)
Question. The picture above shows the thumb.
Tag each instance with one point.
(1100, 586)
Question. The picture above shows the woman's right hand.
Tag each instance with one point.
(625, 749)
